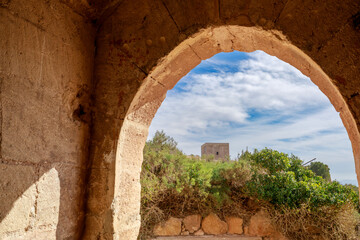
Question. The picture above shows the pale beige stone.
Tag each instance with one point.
(212, 224)
(48, 199)
(261, 225)
(171, 227)
(192, 223)
(235, 225)
(185, 233)
(199, 232)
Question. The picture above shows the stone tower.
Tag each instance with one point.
(219, 150)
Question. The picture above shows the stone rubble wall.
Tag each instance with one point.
(259, 225)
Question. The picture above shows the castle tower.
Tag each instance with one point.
(220, 151)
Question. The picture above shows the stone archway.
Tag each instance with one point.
(82, 115)
(143, 51)
(177, 64)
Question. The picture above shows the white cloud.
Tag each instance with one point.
(265, 103)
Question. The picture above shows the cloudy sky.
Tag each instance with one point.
(255, 100)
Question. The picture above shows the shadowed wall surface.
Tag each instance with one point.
(82, 80)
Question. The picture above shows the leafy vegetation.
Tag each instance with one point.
(283, 181)
(321, 169)
(175, 184)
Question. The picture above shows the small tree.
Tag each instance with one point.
(321, 169)
(161, 141)
(244, 156)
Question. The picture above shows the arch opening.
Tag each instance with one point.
(177, 64)
(252, 101)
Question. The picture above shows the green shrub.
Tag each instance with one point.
(174, 184)
(283, 181)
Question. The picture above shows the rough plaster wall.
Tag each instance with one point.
(46, 65)
(133, 40)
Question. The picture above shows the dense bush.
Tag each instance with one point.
(282, 180)
(175, 184)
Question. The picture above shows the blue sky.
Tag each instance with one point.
(255, 100)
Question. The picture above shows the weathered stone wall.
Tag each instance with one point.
(258, 225)
(128, 100)
(143, 48)
(46, 60)
(218, 150)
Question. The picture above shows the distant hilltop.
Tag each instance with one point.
(220, 151)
